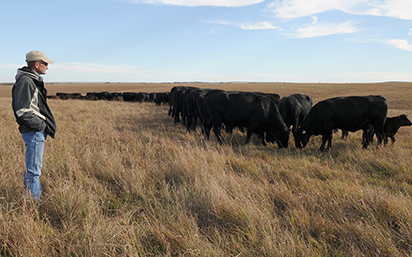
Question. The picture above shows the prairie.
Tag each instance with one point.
(121, 179)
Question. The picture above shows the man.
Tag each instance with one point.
(33, 115)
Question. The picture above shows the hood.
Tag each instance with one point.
(26, 71)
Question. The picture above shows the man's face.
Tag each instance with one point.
(41, 67)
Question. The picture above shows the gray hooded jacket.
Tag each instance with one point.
(30, 103)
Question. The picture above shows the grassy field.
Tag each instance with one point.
(121, 179)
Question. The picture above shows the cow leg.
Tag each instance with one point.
(170, 111)
(345, 134)
(189, 123)
(184, 116)
(322, 146)
(207, 126)
(367, 136)
(177, 115)
(194, 122)
(385, 140)
(379, 134)
(298, 144)
(366, 139)
(251, 129)
(392, 138)
(216, 130)
(217, 124)
(248, 136)
(326, 138)
(329, 141)
(262, 137)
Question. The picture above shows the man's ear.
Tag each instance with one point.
(36, 66)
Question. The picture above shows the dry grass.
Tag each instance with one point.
(120, 179)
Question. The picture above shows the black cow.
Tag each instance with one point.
(294, 109)
(347, 113)
(392, 125)
(390, 128)
(274, 97)
(173, 100)
(174, 103)
(200, 107)
(182, 102)
(162, 98)
(98, 95)
(257, 113)
(190, 108)
(67, 96)
(133, 97)
(176, 109)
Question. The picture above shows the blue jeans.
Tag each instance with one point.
(34, 141)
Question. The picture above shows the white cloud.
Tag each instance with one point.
(400, 44)
(323, 29)
(258, 26)
(400, 9)
(300, 8)
(248, 26)
(221, 3)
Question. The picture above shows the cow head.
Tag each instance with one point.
(281, 137)
(301, 137)
(405, 120)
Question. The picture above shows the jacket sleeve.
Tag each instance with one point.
(24, 105)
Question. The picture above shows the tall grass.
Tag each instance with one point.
(120, 179)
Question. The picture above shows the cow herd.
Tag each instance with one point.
(157, 98)
(267, 115)
(270, 117)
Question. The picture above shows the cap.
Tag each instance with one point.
(36, 55)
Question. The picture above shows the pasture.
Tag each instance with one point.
(121, 179)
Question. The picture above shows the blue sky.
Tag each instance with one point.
(210, 40)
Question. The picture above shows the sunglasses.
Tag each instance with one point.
(44, 63)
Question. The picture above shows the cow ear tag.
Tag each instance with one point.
(303, 132)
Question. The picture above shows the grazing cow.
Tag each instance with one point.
(346, 113)
(294, 109)
(392, 125)
(257, 113)
(274, 97)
